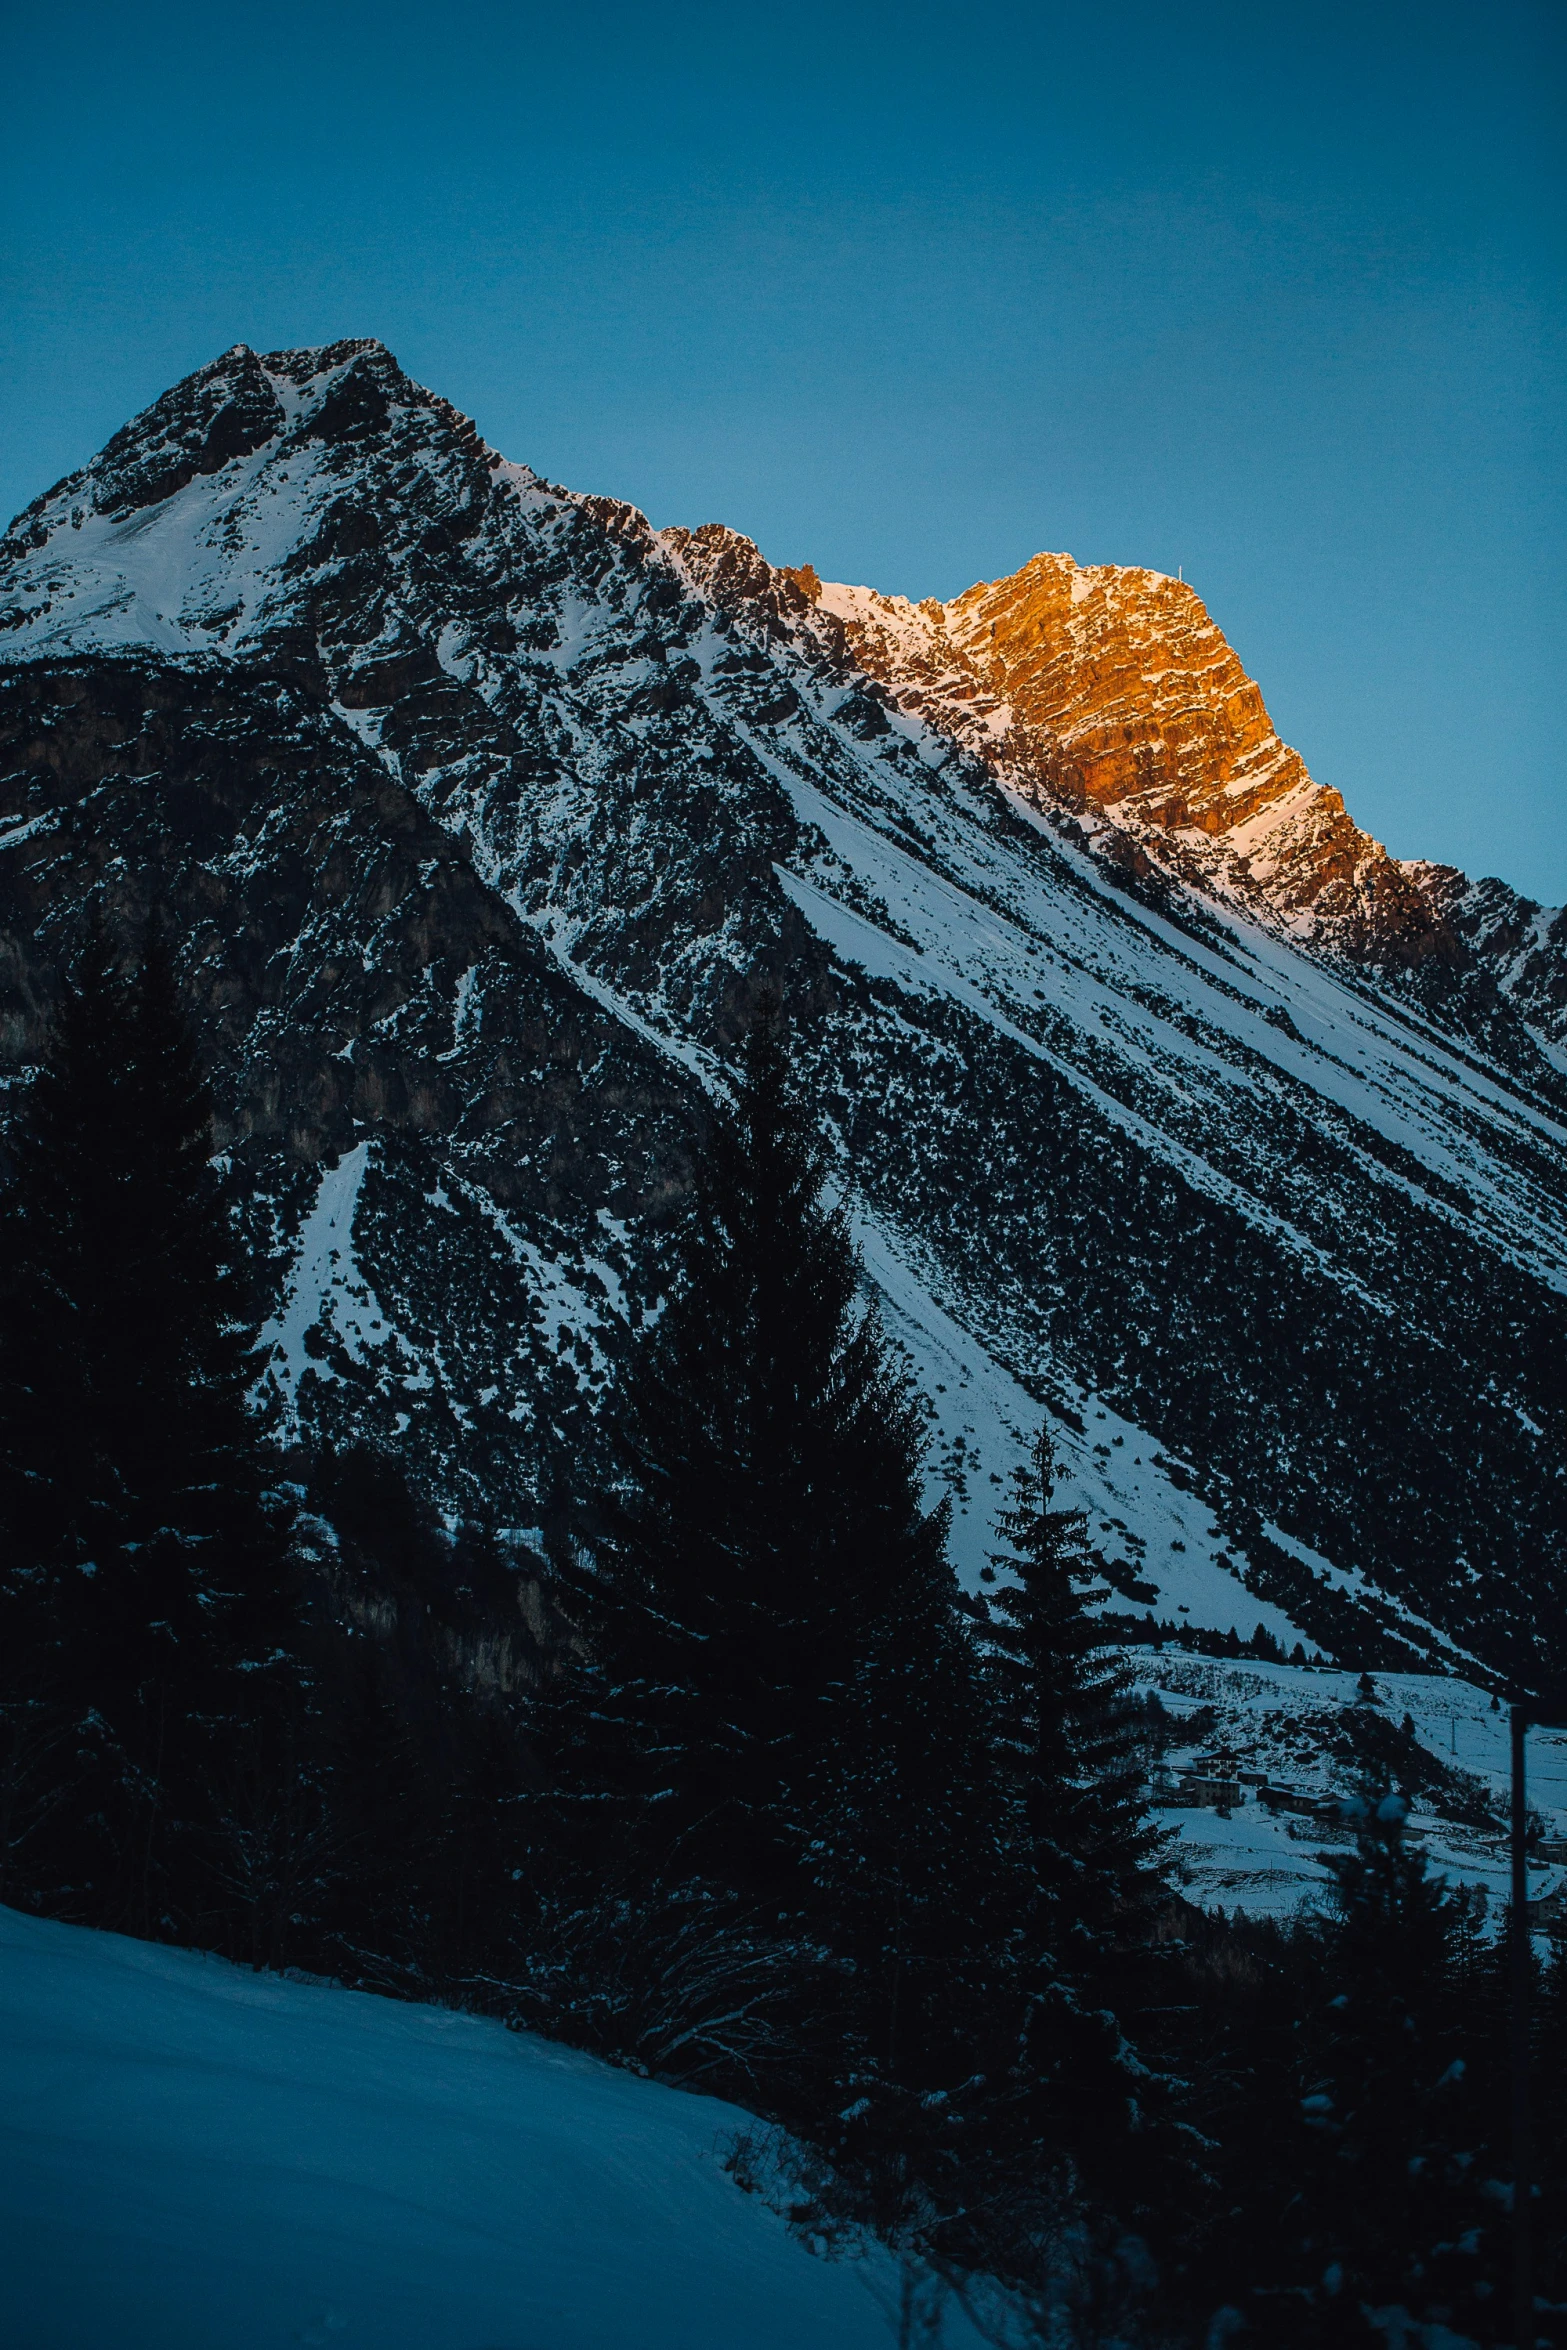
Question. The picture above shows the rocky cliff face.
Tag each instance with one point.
(367, 1007)
(1521, 944)
(482, 812)
(1112, 687)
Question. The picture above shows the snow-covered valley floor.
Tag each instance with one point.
(193, 2157)
(1290, 1722)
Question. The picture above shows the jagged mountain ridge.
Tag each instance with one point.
(1109, 688)
(482, 811)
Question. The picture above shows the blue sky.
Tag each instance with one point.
(1272, 293)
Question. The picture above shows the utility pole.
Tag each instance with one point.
(1523, 2276)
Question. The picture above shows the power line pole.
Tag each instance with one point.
(1523, 2277)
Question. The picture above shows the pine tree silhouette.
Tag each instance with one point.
(766, 1521)
(141, 1545)
(1083, 1854)
(1355, 2150)
(1068, 1727)
(60, 1343)
(777, 1710)
(1389, 2077)
(912, 1895)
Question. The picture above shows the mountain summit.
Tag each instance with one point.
(1154, 730)
(1109, 687)
(480, 814)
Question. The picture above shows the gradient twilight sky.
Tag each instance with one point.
(1274, 293)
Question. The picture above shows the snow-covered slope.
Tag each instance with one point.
(193, 2156)
(484, 812)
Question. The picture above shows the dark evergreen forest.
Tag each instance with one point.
(731, 1783)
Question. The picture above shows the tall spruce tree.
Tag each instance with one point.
(909, 1881)
(766, 1521)
(1068, 1728)
(1084, 1854)
(60, 1501)
(777, 1710)
(144, 1563)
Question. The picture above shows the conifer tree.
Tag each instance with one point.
(908, 1881)
(197, 1427)
(141, 1548)
(1359, 2172)
(1549, 2103)
(777, 1710)
(1068, 1727)
(1083, 1859)
(1390, 2080)
(766, 1522)
(63, 1218)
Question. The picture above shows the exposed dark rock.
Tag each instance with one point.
(482, 814)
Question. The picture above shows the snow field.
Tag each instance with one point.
(192, 2156)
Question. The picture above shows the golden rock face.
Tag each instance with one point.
(1112, 688)
(1141, 690)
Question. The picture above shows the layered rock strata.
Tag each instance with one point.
(1112, 687)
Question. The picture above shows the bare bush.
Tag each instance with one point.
(681, 1982)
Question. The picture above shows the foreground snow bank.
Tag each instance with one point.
(194, 2155)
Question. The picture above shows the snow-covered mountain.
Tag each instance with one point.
(482, 812)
